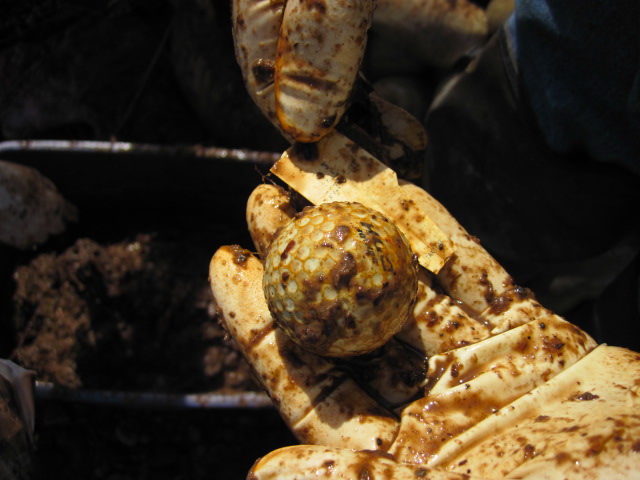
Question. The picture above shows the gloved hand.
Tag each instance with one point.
(482, 380)
(300, 62)
(511, 390)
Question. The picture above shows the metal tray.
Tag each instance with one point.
(112, 180)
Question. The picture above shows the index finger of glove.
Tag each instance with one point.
(319, 402)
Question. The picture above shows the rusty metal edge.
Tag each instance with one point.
(204, 400)
(116, 147)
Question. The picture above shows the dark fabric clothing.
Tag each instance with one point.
(580, 64)
(534, 157)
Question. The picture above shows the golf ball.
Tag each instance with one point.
(340, 279)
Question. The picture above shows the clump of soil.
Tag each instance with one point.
(124, 316)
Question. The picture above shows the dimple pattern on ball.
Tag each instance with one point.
(340, 279)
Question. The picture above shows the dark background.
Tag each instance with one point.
(164, 73)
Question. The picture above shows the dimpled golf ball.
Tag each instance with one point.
(340, 279)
